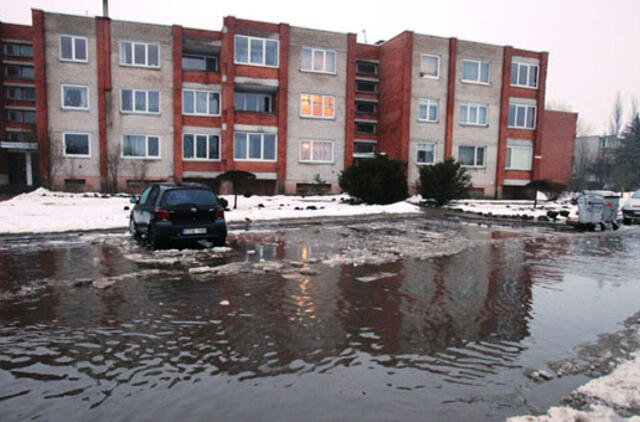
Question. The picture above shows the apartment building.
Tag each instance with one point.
(126, 103)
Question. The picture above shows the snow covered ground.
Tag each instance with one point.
(43, 211)
(619, 390)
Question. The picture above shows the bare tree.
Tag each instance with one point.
(139, 169)
(55, 157)
(114, 162)
(634, 108)
(617, 115)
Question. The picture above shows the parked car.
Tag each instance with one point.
(167, 213)
(631, 209)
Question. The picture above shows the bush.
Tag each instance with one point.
(376, 180)
(443, 182)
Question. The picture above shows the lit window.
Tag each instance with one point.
(141, 146)
(139, 54)
(73, 49)
(317, 106)
(75, 97)
(140, 101)
(475, 71)
(76, 145)
(318, 60)
(316, 151)
(200, 147)
(522, 116)
(471, 156)
(426, 153)
(254, 146)
(200, 103)
(256, 51)
(519, 155)
(430, 66)
(428, 110)
(474, 114)
(524, 75)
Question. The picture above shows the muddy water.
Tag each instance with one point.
(411, 338)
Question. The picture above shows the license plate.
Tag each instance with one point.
(194, 231)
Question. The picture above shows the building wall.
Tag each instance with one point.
(422, 87)
(304, 128)
(558, 143)
(59, 120)
(118, 123)
(485, 177)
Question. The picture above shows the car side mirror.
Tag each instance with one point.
(134, 200)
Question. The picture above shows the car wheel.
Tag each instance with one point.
(132, 229)
(219, 241)
(626, 221)
(154, 239)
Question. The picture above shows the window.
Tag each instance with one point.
(426, 153)
(256, 51)
(474, 114)
(428, 110)
(21, 93)
(316, 151)
(140, 101)
(318, 60)
(76, 145)
(254, 146)
(16, 71)
(317, 106)
(367, 68)
(139, 54)
(73, 49)
(607, 142)
(365, 128)
(21, 116)
(258, 103)
(140, 146)
(367, 87)
(200, 63)
(430, 66)
(524, 75)
(519, 155)
(366, 107)
(364, 149)
(522, 116)
(475, 71)
(200, 147)
(471, 156)
(18, 50)
(200, 103)
(15, 136)
(75, 97)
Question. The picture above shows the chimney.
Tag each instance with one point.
(105, 8)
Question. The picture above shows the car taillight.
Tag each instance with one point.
(220, 213)
(161, 214)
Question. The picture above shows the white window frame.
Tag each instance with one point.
(64, 145)
(478, 106)
(133, 54)
(64, 107)
(475, 156)
(323, 117)
(435, 152)
(311, 143)
(133, 101)
(436, 56)
(529, 66)
(512, 146)
(526, 115)
(73, 58)
(146, 147)
(208, 135)
(209, 92)
(428, 102)
(479, 64)
(324, 60)
(264, 51)
(261, 159)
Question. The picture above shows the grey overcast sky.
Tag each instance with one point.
(593, 44)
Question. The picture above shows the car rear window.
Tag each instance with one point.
(636, 195)
(198, 197)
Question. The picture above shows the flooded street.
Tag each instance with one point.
(408, 319)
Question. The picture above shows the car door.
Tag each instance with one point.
(138, 209)
(146, 211)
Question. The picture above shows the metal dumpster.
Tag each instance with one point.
(597, 210)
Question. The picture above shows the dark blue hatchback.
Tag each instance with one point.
(167, 214)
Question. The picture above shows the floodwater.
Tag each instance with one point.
(418, 336)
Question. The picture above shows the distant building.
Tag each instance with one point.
(105, 101)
